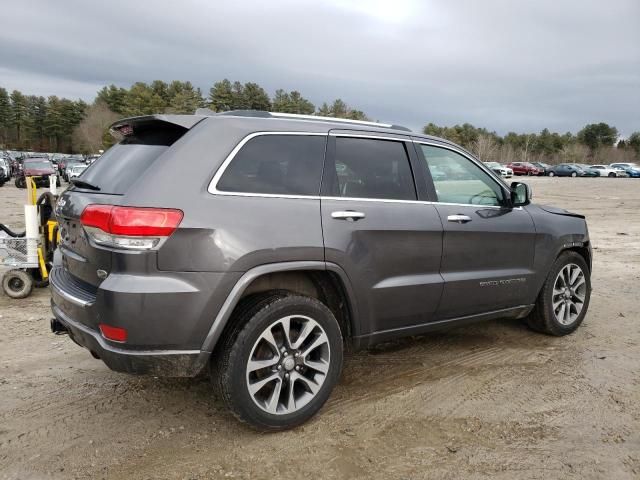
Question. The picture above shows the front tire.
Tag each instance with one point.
(21, 182)
(280, 363)
(574, 174)
(564, 299)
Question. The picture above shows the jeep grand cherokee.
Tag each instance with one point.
(261, 245)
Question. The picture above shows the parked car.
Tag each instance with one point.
(542, 166)
(571, 170)
(69, 164)
(266, 274)
(76, 170)
(629, 169)
(501, 170)
(633, 172)
(608, 172)
(5, 171)
(525, 168)
(37, 167)
(64, 163)
(623, 165)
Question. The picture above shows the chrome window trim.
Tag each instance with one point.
(213, 184)
(375, 137)
(212, 188)
(318, 118)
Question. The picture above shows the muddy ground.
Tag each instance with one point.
(494, 400)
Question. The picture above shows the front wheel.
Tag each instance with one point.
(282, 361)
(21, 182)
(574, 174)
(612, 174)
(564, 299)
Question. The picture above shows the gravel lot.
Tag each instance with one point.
(494, 400)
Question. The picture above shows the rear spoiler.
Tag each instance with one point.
(129, 126)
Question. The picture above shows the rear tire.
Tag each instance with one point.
(612, 174)
(265, 378)
(552, 174)
(564, 300)
(21, 182)
(574, 174)
(17, 284)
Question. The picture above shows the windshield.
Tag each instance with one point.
(37, 165)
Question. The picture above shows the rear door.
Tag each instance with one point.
(488, 248)
(374, 227)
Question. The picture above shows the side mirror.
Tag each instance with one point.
(521, 194)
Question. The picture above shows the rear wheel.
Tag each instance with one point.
(17, 283)
(280, 364)
(612, 174)
(552, 174)
(564, 298)
(574, 174)
(21, 182)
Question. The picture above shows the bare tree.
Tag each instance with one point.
(485, 147)
(88, 136)
(529, 142)
(574, 153)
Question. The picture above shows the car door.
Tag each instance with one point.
(488, 247)
(388, 243)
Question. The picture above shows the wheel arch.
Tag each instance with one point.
(325, 281)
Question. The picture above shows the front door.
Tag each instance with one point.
(388, 243)
(488, 248)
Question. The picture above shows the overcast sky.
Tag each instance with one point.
(502, 64)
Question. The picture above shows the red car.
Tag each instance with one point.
(39, 169)
(525, 168)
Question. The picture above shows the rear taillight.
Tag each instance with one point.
(132, 228)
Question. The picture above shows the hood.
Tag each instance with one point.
(37, 171)
(560, 211)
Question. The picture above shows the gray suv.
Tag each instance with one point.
(261, 246)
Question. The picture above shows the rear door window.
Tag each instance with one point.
(370, 168)
(276, 165)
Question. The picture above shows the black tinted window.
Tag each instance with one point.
(120, 166)
(369, 168)
(276, 164)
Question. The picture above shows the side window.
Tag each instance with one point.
(458, 180)
(370, 168)
(276, 164)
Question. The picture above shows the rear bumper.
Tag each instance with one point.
(166, 363)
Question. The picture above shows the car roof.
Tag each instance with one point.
(273, 121)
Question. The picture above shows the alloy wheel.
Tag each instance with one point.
(569, 294)
(288, 364)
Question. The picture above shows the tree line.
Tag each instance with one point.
(53, 124)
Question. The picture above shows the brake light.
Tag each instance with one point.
(115, 334)
(135, 228)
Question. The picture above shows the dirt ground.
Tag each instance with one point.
(494, 400)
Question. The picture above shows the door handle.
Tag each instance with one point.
(458, 218)
(348, 215)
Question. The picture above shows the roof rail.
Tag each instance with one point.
(295, 116)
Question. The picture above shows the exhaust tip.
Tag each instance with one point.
(58, 328)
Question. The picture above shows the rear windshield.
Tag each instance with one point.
(120, 166)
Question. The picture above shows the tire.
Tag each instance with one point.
(21, 182)
(552, 174)
(611, 175)
(574, 174)
(17, 284)
(267, 407)
(545, 318)
(530, 174)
